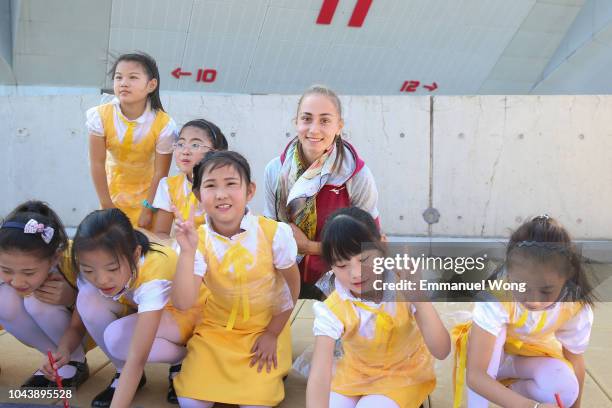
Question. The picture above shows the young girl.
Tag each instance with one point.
(197, 137)
(536, 339)
(317, 173)
(130, 141)
(124, 301)
(246, 262)
(38, 286)
(386, 342)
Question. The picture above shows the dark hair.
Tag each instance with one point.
(333, 97)
(213, 132)
(217, 159)
(348, 232)
(150, 67)
(544, 239)
(110, 230)
(13, 237)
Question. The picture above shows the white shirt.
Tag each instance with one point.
(574, 334)
(166, 137)
(163, 201)
(284, 247)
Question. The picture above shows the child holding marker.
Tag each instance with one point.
(241, 350)
(527, 351)
(38, 287)
(124, 302)
(196, 138)
(387, 342)
(130, 141)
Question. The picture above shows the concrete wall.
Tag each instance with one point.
(485, 163)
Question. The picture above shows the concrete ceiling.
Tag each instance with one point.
(276, 46)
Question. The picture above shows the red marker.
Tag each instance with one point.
(559, 402)
(58, 379)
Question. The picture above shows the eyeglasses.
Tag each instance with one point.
(192, 147)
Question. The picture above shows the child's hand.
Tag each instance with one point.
(264, 351)
(61, 357)
(146, 216)
(56, 291)
(185, 231)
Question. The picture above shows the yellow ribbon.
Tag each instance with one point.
(459, 335)
(191, 203)
(128, 138)
(384, 322)
(238, 257)
(517, 344)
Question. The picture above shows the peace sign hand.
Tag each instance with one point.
(185, 231)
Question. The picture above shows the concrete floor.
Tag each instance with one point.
(18, 362)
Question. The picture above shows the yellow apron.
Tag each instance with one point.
(238, 309)
(182, 202)
(539, 342)
(160, 263)
(395, 363)
(129, 166)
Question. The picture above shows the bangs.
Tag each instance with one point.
(344, 237)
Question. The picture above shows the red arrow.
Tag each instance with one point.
(177, 73)
(431, 87)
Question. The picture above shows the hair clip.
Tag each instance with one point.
(542, 217)
(32, 227)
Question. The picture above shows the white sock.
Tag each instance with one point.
(53, 320)
(67, 371)
(118, 336)
(97, 312)
(17, 321)
(193, 403)
(342, 401)
(376, 401)
(540, 378)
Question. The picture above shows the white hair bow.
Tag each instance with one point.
(34, 227)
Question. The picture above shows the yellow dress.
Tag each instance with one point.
(129, 166)
(539, 341)
(238, 309)
(160, 264)
(183, 202)
(395, 363)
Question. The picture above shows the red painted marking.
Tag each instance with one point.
(206, 75)
(177, 73)
(328, 8)
(431, 87)
(359, 13)
(410, 86)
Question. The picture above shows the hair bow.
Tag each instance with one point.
(34, 227)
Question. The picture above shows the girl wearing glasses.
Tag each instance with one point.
(196, 138)
(522, 351)
(130, 142)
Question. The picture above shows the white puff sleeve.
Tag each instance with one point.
(200, 265)
(284, 247)
(162, 198)
(94, 122)
(490, 316)
(152, 295)
(167, 136)
(325, 322)
(574, 335)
